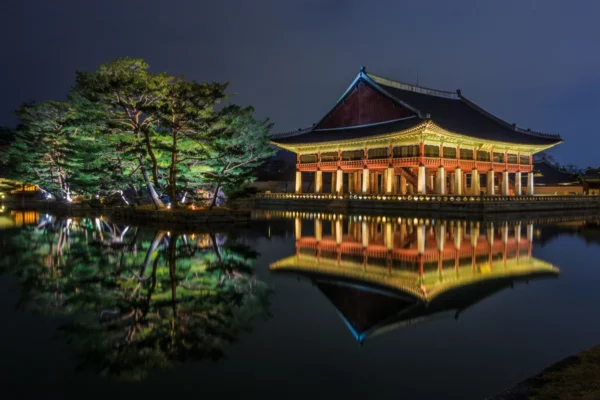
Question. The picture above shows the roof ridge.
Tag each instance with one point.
(413, 88)
(537, 133)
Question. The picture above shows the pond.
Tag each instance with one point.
(295, 304)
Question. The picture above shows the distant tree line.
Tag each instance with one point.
(571, 168)
(124, 128)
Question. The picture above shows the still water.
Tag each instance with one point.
(295, 305)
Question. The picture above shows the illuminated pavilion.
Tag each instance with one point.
(388, 137)
(382, 273)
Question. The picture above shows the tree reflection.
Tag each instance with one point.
(137, 300)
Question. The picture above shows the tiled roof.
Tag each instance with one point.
(327, 135)
(547, 174)
(453, 112)
(450, 111)
(591, 174)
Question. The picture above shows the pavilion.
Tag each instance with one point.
(388, 137)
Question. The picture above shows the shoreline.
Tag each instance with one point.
(574, 377)
(177, 217)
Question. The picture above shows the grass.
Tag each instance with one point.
(578, 378)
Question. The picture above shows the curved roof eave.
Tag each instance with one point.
(423, 127)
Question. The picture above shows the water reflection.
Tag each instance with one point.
(382, 273)
(136, 299)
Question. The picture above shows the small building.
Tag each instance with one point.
(551, 180)
(591, 181)
(388, 137)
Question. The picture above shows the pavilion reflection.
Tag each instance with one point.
(381, 272)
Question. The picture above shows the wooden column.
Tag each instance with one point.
(298, 182)
(402, 184)
(518, 184)
(318, 181)
(505, 189)
(430, 180)
(298, 228)
(491, 184)
(421, 183)
(530, 184)
(475, 184)
(365, 180)
(339, 181)
(350, 182)
(365, 234)
(458, 181)
(333, 182)
(318, 229)
(441, 181)
(390, 180)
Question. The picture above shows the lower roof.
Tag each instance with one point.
(329, 135)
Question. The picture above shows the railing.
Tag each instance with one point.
(413, 162)
(427, 198)
(405, 162)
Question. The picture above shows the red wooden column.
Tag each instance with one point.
(422, 153)
(531, 162)
(506, 160)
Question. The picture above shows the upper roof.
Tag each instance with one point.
(449, 110)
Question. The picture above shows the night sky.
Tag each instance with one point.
(533, 62)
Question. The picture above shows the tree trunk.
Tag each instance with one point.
(152, 158)
(158, 236)
(172, 271)
(158, 204)
(173, 173)
(216, 249)
(136, 195)
(215, 195)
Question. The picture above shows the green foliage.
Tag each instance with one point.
(189, 123)
(39, 153)
(137, 300)
(125, 127)
(241, 146)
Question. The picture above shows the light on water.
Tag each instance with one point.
(436, 308)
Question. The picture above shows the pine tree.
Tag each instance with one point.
(188, 120)
(126, 94)
(237, 150)
(38, 154)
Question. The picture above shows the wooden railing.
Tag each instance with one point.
(413, 162)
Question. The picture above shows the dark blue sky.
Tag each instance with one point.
(532, 62)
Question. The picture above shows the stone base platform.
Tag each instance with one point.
(451, 205)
